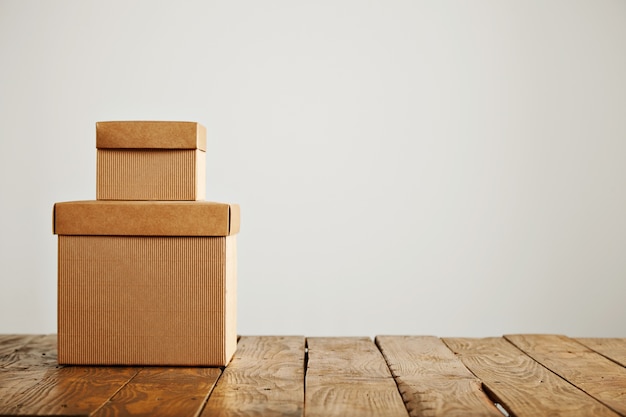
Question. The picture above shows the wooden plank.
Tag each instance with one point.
(38, 351)
(163, 391)
(598, 376)
(32, 383)
(612, 348)
(521, 385)
(432, 380)
(349, 377)
(24, 367)
(67, 390)
(11, 343)
(265, 378)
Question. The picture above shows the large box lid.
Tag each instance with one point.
(145, 218)
(150, 135)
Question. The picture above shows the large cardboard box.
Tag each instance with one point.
(146, 283)
(150, 161)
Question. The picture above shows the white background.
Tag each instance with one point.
(454, 168)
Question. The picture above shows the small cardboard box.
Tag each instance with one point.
(146, 283)
(150, 161)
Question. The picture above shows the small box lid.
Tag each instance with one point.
(150, 135)
(145, 218)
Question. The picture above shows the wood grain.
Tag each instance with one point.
(520, 384)
(432, 380)
(68, 391)
(11, 343)
(264, 378)
(598, 376)
(530, 375)
(163, 391)
(33, 351)
(349, 377)
(24, 365)
(612, 348)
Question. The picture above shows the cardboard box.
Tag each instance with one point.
(150, 161)
(146, 283)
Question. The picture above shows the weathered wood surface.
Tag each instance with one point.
(71, 391)
(349, 377)
(525, 375)
(521, 385)
(11, 344)
(264, 378)
(34, 352)
(594, 374)
(166, 391)
(432, 380)
(31, 382)
(612, 348)
(24, 365)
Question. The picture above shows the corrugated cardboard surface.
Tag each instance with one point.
(150, 174)
(147, 300)
(146, 218)
(150, 134)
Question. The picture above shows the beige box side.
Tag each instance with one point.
(150, 174)
(234, 219)
(150, 134)
(200, 177)
(231, 297)
(146, 300)
(145, 218)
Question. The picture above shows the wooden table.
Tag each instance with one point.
(520, 375)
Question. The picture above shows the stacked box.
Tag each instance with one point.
(150, 161)
(146, 282)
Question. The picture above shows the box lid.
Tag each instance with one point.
(145, 218)
(150, 135)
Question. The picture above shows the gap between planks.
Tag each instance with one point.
(32, 383)
(522, 385)
(587, 370)
(429, 376)
(296, 376)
